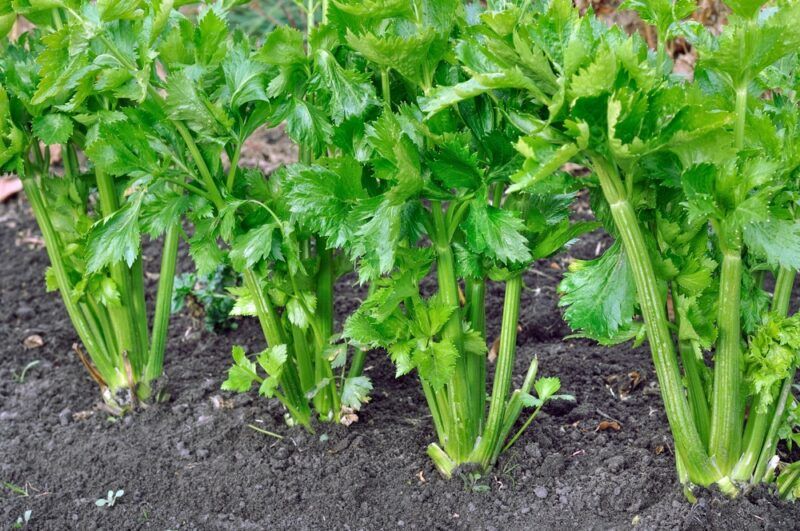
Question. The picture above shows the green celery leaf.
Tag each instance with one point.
(296, 309)
(53, 128)
(212, 31)
(121, 147)
(355, 391)
(400, 354)
(306, 123)
(111, 10)
(242, 373)
(116, 238)
(164, 211)
(436, 363)
(745, 8)
(349, 92)
(244, 303)
(496, 233)
(775, 240)
(771, 356)
(186, 103)
(547, 387)
(456, 166)
(599, 295)
(441, 98)
(253, 246)
(408, 55)
(323, 197)
(204, 249)
(284, 46)
(474, 342)
(557, 237)
(273, 359)
(245, 79)
(746, 49)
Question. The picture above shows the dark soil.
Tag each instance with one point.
(193, 463)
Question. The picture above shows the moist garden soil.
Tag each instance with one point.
(192, 462)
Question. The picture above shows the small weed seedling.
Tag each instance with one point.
(20, 377)
(23, 520)
(16, 489)
(110, 499)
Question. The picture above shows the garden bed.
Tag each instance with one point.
(193, 462)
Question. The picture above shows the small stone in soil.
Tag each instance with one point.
(533, 451)
(65, 416)
(541, 492)
(24, 312)
(616, 463)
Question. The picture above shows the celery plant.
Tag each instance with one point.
(695, 182)
(419, 194)
(324, 98)
(56, 89)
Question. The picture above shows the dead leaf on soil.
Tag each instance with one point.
(606, 425)
(29, 239)
(421, 477)
(220, 403)
(348, 416)
(33, 341)
(624, 384)
(9, 186)
(82, 415)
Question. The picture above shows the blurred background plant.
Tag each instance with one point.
(258, 17)
(207, 297)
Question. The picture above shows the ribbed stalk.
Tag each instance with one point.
(458, 387)
(441, 460)
(681, 422)
(695, 390)
(698, 402)
(770, 445)
(121, 314)
(139, 311)
(513, 410)
(753, 441)
(782, 295)
(53, 248)
(303, 358)
(166, 281)
(490, 439)
(273, 333)
(476, 364)
(725, 442)
(330, 404)
(102, 329)
(357, 363)
(780, 305)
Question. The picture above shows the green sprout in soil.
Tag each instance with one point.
(20, 377)
(16, 489)
(111, 498)
(23, 520)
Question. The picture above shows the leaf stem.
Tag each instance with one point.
(490, 439)
(237, 153)
(458, 387)
(725, 441)
(680, 418)
(122, 314)
(780, 305)
(166, 282)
